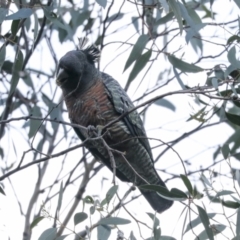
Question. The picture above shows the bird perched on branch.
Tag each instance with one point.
(94, 99)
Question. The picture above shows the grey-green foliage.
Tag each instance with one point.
(27, 91)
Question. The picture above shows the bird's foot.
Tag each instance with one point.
(91, 131)
(94, 131)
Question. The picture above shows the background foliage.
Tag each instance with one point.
(179, 62)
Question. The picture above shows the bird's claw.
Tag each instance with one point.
(94, 131)
(91, 131)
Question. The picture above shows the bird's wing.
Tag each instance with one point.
(99, 156)
(122, 103)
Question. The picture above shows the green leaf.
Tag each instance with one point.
(232, 57)
(205, 180)
(111, 192)
(3, 13)
(51, 16)
(61, 237)
(103, 232)
(132, 237)
(196, 194)
(88, 199)
(237, 3)
(138, 66)
(225, 151)
(48, 234)
(179, 193)
(232, 39)
(60, 197)
(7, 67)
(187, 17)
(92, 210)
(2, 191)
(183, 66)
(238, 224)
(233, 118)
(214, 82)
(115, 17)
(218, 228)
(17, 67)
(224, 192)
(82, 17)
(156, 227)
(113, 221)
(154, 218)
(2, 55)
(34, 124)
(237, 177)
(35, 33)
(231, 204)
(177, 75)
(165, 19)
(165, 103)
(205, 221)
(167, 238)
(187, 183)
(174, 194)
(102, 3)
(164, 4)
(21, 13)
(136, 51)
(192, 224)
(36, 221)
(177, 12)
(80, 217)
(14, 27)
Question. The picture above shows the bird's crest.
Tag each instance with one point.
(92, 52)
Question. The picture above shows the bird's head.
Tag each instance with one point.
(76, 68)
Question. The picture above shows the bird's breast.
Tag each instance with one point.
(93, 107)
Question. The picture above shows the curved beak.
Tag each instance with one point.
(62, 76)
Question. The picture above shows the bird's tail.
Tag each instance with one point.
(157, 202)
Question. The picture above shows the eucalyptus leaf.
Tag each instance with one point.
(165, 19)
(233, 118)
(3, 13)
(17, 67)
(80, 217)
(138, 66)
(34, 124)
(20, 14)
(205, 221)
(36, 221)
(60, 197)
(136, 51)
(102, 3)
(193, 223)
(187, 183)
(113, 221)
(232, 57)
(177, 12)
(48, 234)
(2, 191)
(183, 66)
(2, 55)
(225, 151)
(177, 75)
(165, 103)
(238, 224)
(103, 232)
(237, 3)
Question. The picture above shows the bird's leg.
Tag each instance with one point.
(91, 131)
(99, 130)
(94, 131)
